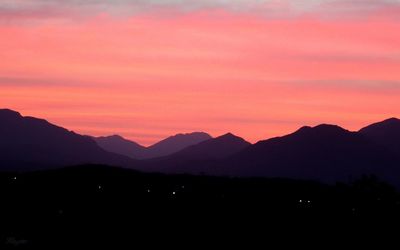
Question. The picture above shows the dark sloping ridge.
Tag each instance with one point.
(195, 159)
(28, 143)
(385, 133)
(168, 146)
(175, 144)
(325, 152)
(217, 148)
(119, 145)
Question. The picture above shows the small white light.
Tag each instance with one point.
(15, 177)
(148, 190)
(308, 201)
(99, 187)
(300, 201)
(173, 193)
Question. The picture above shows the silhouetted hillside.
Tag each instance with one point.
(217, 148)
(119, 145)
(385, 133)
(325, 152)
(170, 145)
(195, 159)
(175, 143)
(28, 143)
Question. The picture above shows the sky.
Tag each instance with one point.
(148, 69)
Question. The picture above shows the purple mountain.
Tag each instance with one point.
(385, 133)
(325, 152)
(194, 159)
(168, 146)
(28, 143)
(118, 144)
(217, 148)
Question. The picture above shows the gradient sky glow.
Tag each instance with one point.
(147, 69)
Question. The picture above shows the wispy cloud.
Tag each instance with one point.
(19, 9)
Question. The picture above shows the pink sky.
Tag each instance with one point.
(155, 72)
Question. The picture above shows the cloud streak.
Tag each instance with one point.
(74, 9)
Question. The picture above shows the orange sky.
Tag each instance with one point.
(154, 73)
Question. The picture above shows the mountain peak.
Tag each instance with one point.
(303, 129)
(386, 133)
(186, 136)
(321, 129)
(8, 113)
(116, 137)
(111, 138)
(176, 143)
(29, 143)
(229, 137)
(392, 120)
(391, 123)
(329, 127)
(118, 144)
(215, 148)
(193, 134)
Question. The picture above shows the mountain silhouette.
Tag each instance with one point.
(193, 159)
(175, 143)
(168, 146)
(217, 148)
(385, 133)
(118, 144)
(325, 152)
(28, 143)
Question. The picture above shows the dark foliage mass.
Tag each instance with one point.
(100, 205)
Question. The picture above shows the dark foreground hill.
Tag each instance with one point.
(109, 207)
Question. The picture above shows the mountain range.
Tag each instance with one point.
(325, 152)
(170, 145)
(28, 143)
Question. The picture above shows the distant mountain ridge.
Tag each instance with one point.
(385, 133)
(119, 145)
(216, 148)
(28, 143)
(326, 153)
(192, 159)
(170, 145)
(176, 143)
